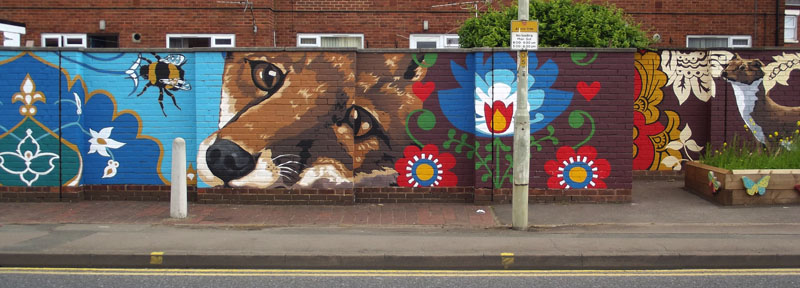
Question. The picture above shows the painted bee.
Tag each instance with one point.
(166, 74)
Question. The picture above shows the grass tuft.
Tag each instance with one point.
(754, 155)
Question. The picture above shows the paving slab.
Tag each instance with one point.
(654, 202)
(665, 227)
(120, 245)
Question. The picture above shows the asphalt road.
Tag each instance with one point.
(84, 277)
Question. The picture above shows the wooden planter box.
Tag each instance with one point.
(780, 191)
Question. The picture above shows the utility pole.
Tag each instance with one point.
(522, 137)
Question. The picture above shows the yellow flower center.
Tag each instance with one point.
(424, 172)
(577, 174)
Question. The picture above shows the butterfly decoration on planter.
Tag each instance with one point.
(759, 187)
(713, 182)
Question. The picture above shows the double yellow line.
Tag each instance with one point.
(399, 273)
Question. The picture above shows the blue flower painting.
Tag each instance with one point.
(493, 88)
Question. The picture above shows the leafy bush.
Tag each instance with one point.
(562, 23)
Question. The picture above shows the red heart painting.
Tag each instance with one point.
(423, 90)
(797, 187)
(588, 91)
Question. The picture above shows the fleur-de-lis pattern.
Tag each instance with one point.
(55, 127)
(28, 95)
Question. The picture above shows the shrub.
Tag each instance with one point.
(562, 23)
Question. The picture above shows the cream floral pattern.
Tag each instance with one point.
(101, 142)
(28, 160)
(693, 72)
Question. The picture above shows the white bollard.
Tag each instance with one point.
(177, 202)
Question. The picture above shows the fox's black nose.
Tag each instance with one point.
(228, 161)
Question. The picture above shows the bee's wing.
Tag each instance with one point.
(177, 59)
(176, 83)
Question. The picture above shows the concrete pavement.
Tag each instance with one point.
(665, 227)
(654, 202)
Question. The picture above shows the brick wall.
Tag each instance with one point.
(276, 196)
(687, 96)
(674, 20)
(294, 126)
(314, 127)
(151, 19)
(384, 23)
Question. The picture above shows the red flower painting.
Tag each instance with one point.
(577, 170)
(425, 168)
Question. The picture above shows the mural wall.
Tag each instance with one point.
(312, 119)
(341, 120)
(685, 100)
(73, 118)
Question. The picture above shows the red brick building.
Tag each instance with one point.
(362, 23)
(697, 24)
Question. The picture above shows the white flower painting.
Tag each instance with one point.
(101, 142)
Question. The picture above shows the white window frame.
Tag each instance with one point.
(796, 14)
(729, 37)
(63, 37)
(9, 39)
(10, 34)
(440, 39)
(318, 38)
(451, 36)
(213, 39)
(12, 28)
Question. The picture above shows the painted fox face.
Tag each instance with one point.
(310, 120)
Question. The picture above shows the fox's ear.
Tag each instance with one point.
(411, 71)
(416, 69)
(737, 56)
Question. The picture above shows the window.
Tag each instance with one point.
(63, 40)
(792, 2)
(10, 33)
(790, 26)
(717, 41)
(331, 40)
(200, 40)
(103, 40)
(433, 41)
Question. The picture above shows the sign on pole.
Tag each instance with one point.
(524, 35)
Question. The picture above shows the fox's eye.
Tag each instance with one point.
(363, 124)
(362, 121)
(266, 76)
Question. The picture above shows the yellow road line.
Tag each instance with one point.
(401, 273)
(395, 270)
